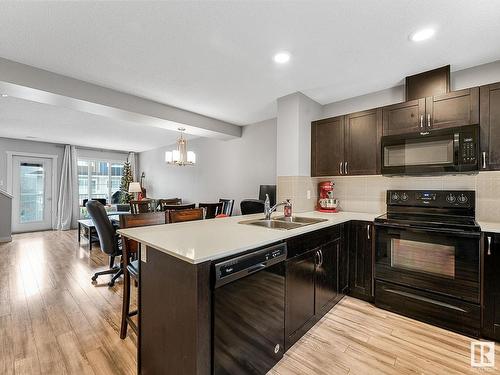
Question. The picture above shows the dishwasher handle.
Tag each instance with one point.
(256, 268)
(241, 266)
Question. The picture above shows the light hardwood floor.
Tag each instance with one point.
(53, 320)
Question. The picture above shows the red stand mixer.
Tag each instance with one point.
(326, 202)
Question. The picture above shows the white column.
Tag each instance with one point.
(295, 113)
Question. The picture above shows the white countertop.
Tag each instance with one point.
(488, 226)
(204, 240)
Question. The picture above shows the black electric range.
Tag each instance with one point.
(427, 261)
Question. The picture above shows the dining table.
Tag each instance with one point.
(89, 230)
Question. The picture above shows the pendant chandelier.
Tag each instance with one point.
(181, 156)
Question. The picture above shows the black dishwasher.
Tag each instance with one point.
(249, 312)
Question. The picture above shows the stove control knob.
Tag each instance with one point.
(450, 198)
(462, 198)
(395, 196)
(404, 197)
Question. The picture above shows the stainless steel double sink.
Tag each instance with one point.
(283, 223)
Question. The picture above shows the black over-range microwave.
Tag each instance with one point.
(452, 150)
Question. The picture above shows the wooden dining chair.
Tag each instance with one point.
(178, 207)
(131, 262)
(167, 202)
(141, 207)
(211, 209)
(177, 216)
(227, 206)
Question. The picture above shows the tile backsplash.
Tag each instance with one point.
(368, 193)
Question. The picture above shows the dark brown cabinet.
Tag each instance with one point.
(314, 274)
(360, 243)
(453, 109)
(401, 118)
(491, 283)
(327, 275)
(490, 127)
(327, 147)
(362, 142)
(300, 292)
(456, 108)
(347, 145)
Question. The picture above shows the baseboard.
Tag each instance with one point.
(5, 239)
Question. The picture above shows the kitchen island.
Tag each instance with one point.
(176, 283)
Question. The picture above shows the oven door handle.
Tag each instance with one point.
(455, 232)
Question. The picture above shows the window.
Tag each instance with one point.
(98, 179)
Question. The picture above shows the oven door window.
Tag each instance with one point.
(428, 152)
(435, 259)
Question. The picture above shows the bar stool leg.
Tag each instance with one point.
(126, 304)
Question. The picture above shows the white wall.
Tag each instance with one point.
(475, 76)
(231, 169)
(309, 110)
(102, 154)
(19, 145)
(287, 135)
(295, 113)
(5, 217)
(363, 102)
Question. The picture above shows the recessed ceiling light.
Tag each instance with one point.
(281, 57)
(421, 35)
(4, 95)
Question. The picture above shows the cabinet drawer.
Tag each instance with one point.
(305, 242)
(435, 309)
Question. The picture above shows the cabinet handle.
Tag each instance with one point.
(429, 120)
(483, 156)
(368, 231)
(319, 254)
(345, 168)
(489, 245)
(422, 121)
(340, 168)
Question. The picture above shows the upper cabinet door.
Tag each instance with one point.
(401, 118)
(490, 127)
(327, 147)
(457, 108)
(363, 131)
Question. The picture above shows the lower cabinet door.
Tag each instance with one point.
(327, 276)
(360, 259)
(299, 296)
(491, 314)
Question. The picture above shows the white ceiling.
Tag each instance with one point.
(215, 58)
(42, 122)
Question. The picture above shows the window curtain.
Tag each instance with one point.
(67, 203)
(133, 165)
